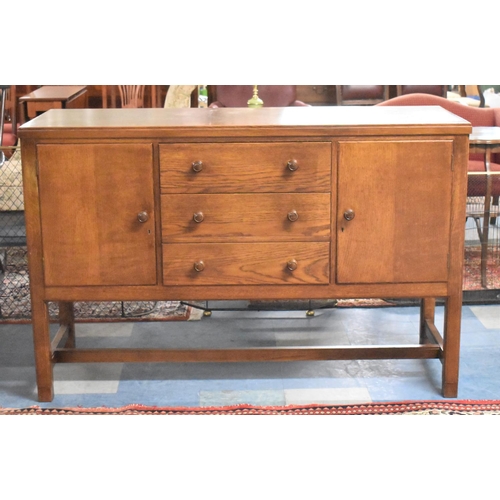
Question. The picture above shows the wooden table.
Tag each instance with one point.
(245, 204)
(52, 97)
(487, 141)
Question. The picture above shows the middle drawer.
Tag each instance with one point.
(245, 217)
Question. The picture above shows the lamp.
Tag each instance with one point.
(255, 101)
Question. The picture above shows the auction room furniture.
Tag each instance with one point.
(260, 204)
(481, 167)
(131, 96)
(438, 90)
(52, 97)
(485, 140)
(237, 96)
(8, 120)
(356, 95)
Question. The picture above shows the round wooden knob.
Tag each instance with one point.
(292, 165)
(198, 217)
(292, 216)
(142, 216)
(197, 166)
(291, 265)
(199, 266)
(349, 214)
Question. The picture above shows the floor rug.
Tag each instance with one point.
(15, 304)
(396, 408)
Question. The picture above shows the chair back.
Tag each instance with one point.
(356, 95)
(439, 90)
(132, 96)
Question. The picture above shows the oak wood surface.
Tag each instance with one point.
(246, 264)
(90, 229)
(246, 217)
(246, 167)
(400, 193)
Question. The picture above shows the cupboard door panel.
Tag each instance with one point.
(90, 200)
(398, 197)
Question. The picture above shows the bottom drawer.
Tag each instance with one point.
(296, 263)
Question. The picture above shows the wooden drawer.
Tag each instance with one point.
(245, 167)
(246, 264)
(245, 217)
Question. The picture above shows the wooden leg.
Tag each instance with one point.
(427, 312)
(67, 317)
(486, 219)
(451, 354)
(43, 354)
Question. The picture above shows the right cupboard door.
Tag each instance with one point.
(394, 210)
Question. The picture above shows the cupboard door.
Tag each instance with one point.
(97, 211)
(394, 210)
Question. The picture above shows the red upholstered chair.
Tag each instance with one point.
(439, 90)
(237, 96)
(478, 117)
(8, 122)
(356, 95)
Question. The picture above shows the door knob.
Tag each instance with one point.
(292, 165)
(291, 265)
(292, 215)
(142, 216)
(349, 214)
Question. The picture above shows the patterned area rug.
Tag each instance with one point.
(399, 408)
(15, 304)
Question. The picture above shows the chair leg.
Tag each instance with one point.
(493, 220)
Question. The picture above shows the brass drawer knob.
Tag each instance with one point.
(199, 266)
(197, 166)
(293, 216)
(349, 214)
(291, 265)
(198, 217)
(292, 165)
(142, 216)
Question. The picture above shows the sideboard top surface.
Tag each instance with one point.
(312, 120)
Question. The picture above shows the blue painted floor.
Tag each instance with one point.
(213, 384)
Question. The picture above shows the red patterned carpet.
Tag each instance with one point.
(396, 408)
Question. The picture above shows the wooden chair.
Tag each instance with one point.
(480, 91)
(361, 95)
(131, 96)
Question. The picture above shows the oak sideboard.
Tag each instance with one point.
(245, 204)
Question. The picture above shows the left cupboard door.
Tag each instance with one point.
(97, 214)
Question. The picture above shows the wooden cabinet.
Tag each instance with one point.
(267, 204)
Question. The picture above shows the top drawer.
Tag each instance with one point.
(245, 167)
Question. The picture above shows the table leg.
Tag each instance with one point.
(486, 219)
(451, 349)
(43, 353)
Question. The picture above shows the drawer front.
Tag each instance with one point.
(245, 217)
(245, 167)
(297, 263)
